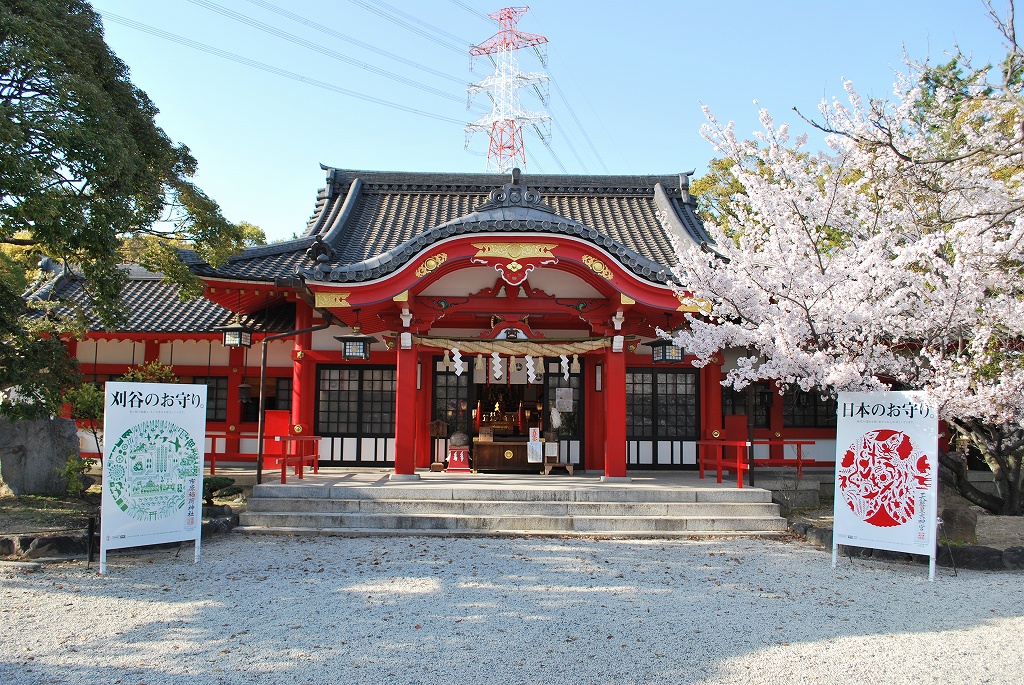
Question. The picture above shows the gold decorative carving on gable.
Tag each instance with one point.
(431, 263)
(693, 304)
(599, 267)
(523, 258)
(331, 299)
(515, 251)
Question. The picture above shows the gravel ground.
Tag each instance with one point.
(267, 609)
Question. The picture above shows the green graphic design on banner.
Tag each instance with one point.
(149, 468)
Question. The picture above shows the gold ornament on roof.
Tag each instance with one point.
(599, 267)
(431, 263)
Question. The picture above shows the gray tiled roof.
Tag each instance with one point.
(368, 223)
(153, 306)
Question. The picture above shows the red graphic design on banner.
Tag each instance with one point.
(879, 476)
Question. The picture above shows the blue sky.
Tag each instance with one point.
(634, 76)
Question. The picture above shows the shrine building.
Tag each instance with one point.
(417, 306)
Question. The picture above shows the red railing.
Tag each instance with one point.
(714, 457)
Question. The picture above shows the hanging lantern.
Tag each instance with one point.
(355, 346)
(244, 392)
(235, 334)
(665, 352)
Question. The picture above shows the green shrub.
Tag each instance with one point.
(74, 472)
(220, 486)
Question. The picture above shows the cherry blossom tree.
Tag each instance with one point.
(893, 258)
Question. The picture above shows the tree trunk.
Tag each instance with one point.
(1001, 446)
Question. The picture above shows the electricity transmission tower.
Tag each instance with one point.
(505, 122)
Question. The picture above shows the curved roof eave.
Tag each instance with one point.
(512, 208)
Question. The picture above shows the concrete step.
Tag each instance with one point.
(532, 494)
(283, 521)
(510, 508)
(582, 506)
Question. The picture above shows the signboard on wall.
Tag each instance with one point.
(886, 491)
(153, 453)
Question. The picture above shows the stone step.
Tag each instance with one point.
(510, 494)
(284, 521)
(510, 508)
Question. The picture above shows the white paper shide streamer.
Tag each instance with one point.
(496, 365)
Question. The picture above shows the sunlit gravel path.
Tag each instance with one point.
(268, 609)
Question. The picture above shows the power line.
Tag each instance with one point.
(580, 126)
(572, 148)
(267, 67)
(547, 144)
(576, 119)
(475, 12)
(409, 27)
(436, 29)
(214, 7)
(354, 41)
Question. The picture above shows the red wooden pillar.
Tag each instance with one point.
(593, 439)
(711, 401)
(405, 415)
(615, 415)
(152, 351)
(424, 443)
(236, 373)
(302, 397)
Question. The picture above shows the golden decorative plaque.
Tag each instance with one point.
(331, 299)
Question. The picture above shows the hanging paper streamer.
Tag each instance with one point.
(531, 374)
(480, 371)
(496, 365)
(457, 360)
(565, 367)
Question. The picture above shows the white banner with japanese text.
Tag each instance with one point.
(153, 453)
(887, 454)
